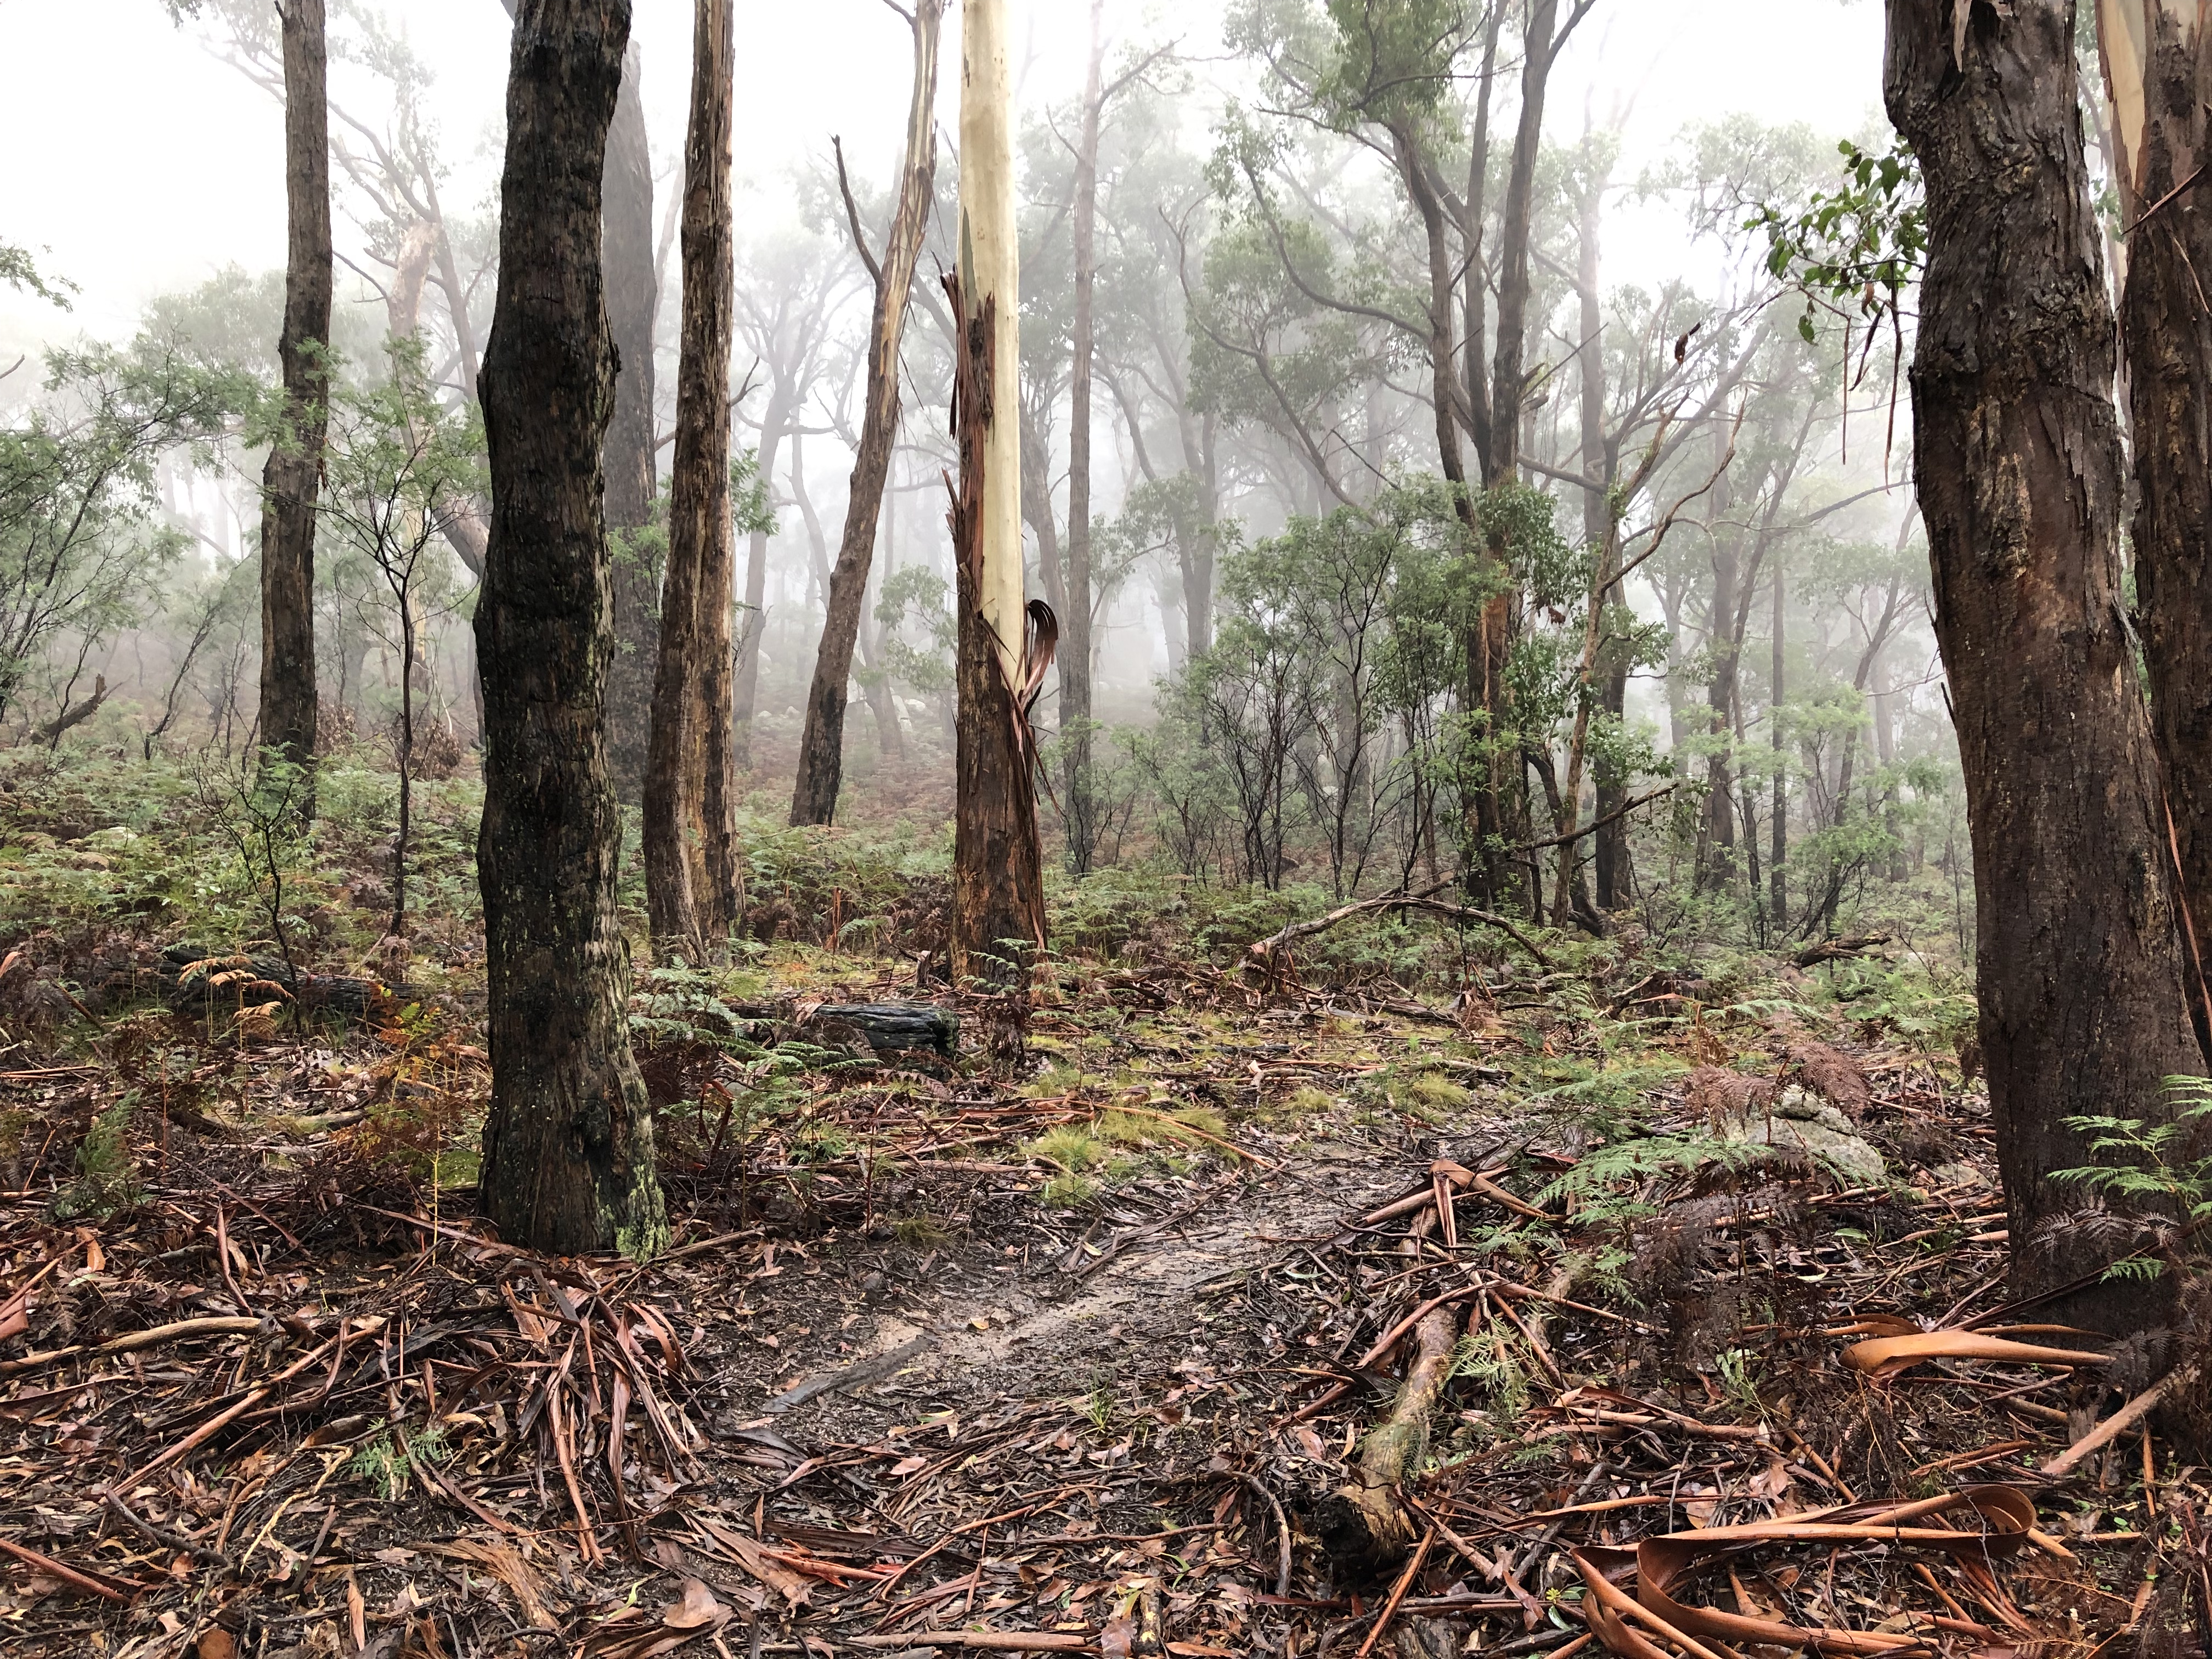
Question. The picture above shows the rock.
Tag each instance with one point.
(1798, 1123)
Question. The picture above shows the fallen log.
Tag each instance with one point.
(884, 1029)
(1849, 948)
(1363, 1525)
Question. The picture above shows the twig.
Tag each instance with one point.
(1282, 1534)
(161, 1535)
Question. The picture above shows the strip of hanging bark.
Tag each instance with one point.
(1268, 954)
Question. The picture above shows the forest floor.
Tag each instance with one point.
(1069, 1360)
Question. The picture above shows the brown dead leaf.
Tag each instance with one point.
(1833, 1075)
(215, 1644)
(510, 1569)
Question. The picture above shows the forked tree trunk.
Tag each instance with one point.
(2158, 56)
(2017, 467)
(1075, 701)
(690, 823)
(998, 876)
(633, 307)
(822, 750)
(568, 1151)
(292, 478)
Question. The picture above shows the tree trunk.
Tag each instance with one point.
(2017, 468)
(632, 307)
(783, 402)
(998, 894)
(1075, 703)
(822, 750)
(292, 478)
(1717, 866)
(2157, 59)
(567, 1152)
(1777, 881)
(689, 818)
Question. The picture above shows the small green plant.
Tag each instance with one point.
(1071, 1149)
(1494, 1364)
(107, 1172)
(2153, 1171)
(1737, 1368)
(1100, 1408)
(920, 1231)
(383, 1460)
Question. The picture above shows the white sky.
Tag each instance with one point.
(141, 164)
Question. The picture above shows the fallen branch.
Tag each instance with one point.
(1849, 948)
(51, 732)
(1592, 828)
(1266, 953)
(2115, 1426)
(227, 1325)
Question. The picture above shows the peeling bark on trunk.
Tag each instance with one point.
(292, 478)
(998, 877)
(689, 817)
(567, 1152)
(2017, 467)
(633, 306)
(822, 750)
(2158, 66)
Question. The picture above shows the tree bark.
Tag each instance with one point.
(2017, 468)
(821, 749)
(998, 876)
(633, 308)
(689, 818)
(292, 478)
(1075, 701)
(2158, 61)
(568, 1153)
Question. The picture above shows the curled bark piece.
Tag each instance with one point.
(1362, 1525)
(1886, 1356)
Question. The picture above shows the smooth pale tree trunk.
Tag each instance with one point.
(998, 882)
(292, 478)
(2018, 471)
(567, 1150)
(1075, 660)
(691, 825)
(783, 404)
(1777, 879)
(822, 750)
(2158, 68)
(633, 308)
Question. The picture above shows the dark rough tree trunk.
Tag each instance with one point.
(2158, 64)
(690, 822)
(633, 307)
(822, 750)
(292, 478)
(1075, 661)
(2017, 466)
(568, 1154)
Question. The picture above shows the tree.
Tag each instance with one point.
(2156, 56)
(1075, 701)
(998, 875)
(401, 466)
(822, 748)
(690, 812)
(633, 308)
(2016, 463)
(568, 1148)
(79, 543)
(294, 465)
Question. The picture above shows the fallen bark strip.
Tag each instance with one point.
(982, 1641)
(101, 1586)
(1266, 952)
(863, 1371)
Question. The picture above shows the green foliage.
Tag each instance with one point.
(80, 547)
(19, 271)
(106, 1169)
(1856, 249)
(261, 806)
(2146, 1165)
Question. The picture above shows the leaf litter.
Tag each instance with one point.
(1681, 1394)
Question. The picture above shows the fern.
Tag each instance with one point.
(2143, 1165)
